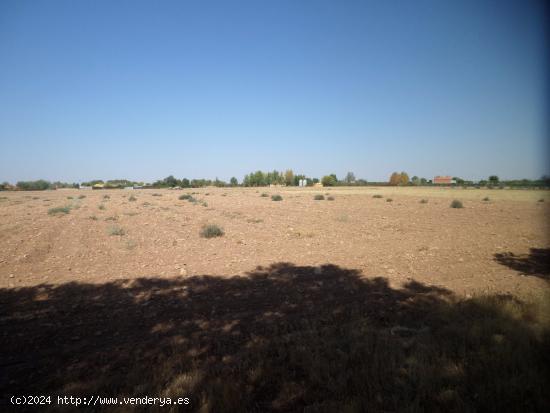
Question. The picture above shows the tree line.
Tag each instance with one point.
(288, 178)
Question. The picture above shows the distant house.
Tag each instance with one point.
(443, 180)
(84, 187)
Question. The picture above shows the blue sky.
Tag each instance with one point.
(141, 90)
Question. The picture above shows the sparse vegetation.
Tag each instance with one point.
(81, 196)
(59, 210)
(116, 230)
(330, 198)
(132, 198)
(156, 194)
(541, 200)
(378, 196)
(211, 231)
(264, 195)
(254, 220)
(423, 201)
(130, 244)
(101, 207)
(113, 218)
(486, 199)
(319, 197)
(185, 197)
(69, 197)
(456, 204)
(106, 197)
(92, 217)
(276, 198)
(389, 200)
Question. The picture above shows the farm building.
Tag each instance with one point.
(444, 180)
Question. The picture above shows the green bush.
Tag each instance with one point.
(185, 197)
(211, 231)
(59, 210)
(456, 204)
(318, 197)
(116, 230)
(276, 198)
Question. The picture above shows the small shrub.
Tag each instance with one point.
(106, 197)
(330, 198)
(93, 217)
(204, 203)
(486, 199)
(185, 197)
(264, 195)
(254, 220)
(101, 207)
(423, 201)
(377, 196)
(389, 200)
(211, 231)
(276, 198)
(69, 197)
(59, 210)
(541, 200)
(81, 196)
(318, 197)
(132, 199)
(456, 204)
(156, 194)
(111, 219)
(115, 230)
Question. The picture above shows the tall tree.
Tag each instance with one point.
(289, 177)
(350, 178)
(395, 178)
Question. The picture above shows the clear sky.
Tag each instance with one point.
(141, 90)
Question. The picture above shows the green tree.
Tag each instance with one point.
(350, 178)
(403, 178)
(233, 181)
(493, 180)
(329, 180)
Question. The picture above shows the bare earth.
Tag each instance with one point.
(302, 305)
(486, 247)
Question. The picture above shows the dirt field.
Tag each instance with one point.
(352, 304)
(464, 250)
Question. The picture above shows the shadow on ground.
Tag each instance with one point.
(284, 338)
(536, 263)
